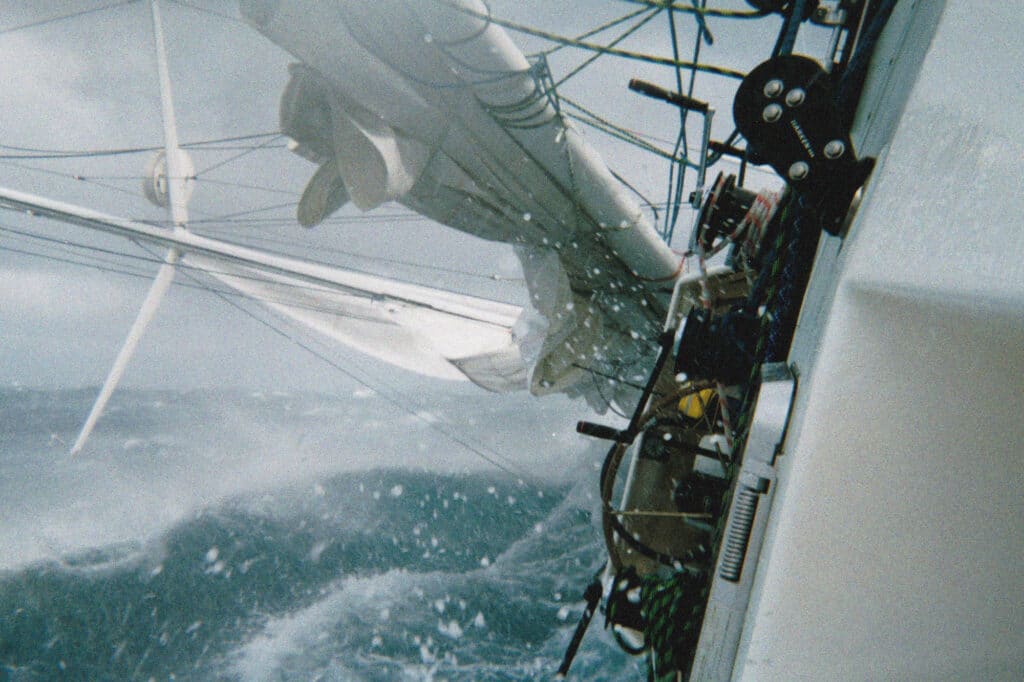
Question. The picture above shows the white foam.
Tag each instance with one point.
(130, 487)
(266, 654)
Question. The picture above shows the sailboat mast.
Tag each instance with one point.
(176, 174)
(177, 208)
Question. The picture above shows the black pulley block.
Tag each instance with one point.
(719, 347)
(786, 110)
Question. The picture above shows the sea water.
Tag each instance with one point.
(227, 536)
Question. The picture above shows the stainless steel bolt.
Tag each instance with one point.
(799, 170)
(835, 149)
(796, 97)
(772, 113)
(773, 88)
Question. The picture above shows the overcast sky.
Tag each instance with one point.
(89, 83)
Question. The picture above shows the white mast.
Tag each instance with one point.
(177, 195)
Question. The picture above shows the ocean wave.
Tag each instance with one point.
(378, 576)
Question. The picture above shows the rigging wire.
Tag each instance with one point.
(262, 145)
(114, 266)
(702, 11)
(643, 199)
(672, 212)
(333, 220)
(240, 185)
(58, 259)
(30, 153)
(67, 244)
(502, 462)
(675, 183)
(694, 67)
(79, 178)
(204, 10)
(606, 375)
(221, 223)
(381, 259)
(212, 181)
(262, 209)
(599, 29)
(249, 275)
(51, 153)
(596, 47)
(598, 123)
(209, 219)
(43, 171)
(609, 403)
(624, 134)
(590, 60)
(62, 17)
(90, 181)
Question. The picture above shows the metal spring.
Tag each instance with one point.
(742, 521)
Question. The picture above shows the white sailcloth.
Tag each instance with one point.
(431, 105)
(417, 328)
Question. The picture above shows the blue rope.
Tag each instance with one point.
(793, 21)
(796, 271)
(852, 81)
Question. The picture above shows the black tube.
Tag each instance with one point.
(602, 431)
(678, 99)
(592, 595)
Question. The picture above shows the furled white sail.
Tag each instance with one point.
(429, 104)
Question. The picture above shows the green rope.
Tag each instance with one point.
(672, 609)
(779, 250)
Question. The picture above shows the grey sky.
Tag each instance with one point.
(89, 83)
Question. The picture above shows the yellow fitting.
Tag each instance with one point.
(694, 404)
